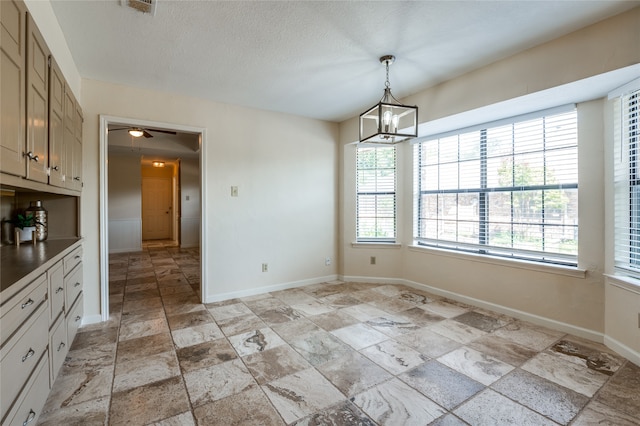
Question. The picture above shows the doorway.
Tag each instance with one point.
(160, 192)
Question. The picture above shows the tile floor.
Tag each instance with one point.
(327, 354)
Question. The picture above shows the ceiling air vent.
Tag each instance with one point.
(145, 6)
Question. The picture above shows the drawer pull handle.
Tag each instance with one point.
(77, 256)
(76, 284)
(28, 355)
(59, 289)
(30, 417)
(78, 318)
(31, 156)
(76, 178)
(60, 346)
(27, 303)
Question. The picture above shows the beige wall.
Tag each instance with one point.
(573, 301)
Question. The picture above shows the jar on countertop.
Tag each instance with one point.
(40, 214)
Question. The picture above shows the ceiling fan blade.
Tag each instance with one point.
(169, 132)
(146, 134)
(120, 128)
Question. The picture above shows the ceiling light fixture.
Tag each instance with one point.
(135, 132)
(388, 122)
(158, 164)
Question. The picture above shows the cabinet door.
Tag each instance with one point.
(37, 105)
(12, 86)
(77, 149)
(69, 137)
(56, 125)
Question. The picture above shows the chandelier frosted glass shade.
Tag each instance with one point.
(388, 122)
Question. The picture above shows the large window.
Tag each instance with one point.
(376, 194)
(627, 184)
(508, 188)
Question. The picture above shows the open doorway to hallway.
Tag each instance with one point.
(151, 185)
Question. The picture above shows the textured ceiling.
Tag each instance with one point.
(311, 58)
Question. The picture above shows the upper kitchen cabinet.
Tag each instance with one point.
(12, 86)
(37, 149)
(72, 142)
(56, 126)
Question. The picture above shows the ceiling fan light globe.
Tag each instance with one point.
(136, 133)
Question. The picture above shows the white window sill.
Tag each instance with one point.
(624, 282)
(569, 271)
(368, 245)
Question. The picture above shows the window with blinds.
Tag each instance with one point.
(376, 194)
(627, 184)
(508, 188)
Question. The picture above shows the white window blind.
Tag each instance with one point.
(505, 189)
(376, 194)
(627, 184)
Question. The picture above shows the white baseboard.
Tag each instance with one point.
(261, 290)
(623, 350)
(522, 315)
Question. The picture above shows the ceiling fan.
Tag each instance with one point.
(136, 132)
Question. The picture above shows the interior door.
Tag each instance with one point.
(156, 208)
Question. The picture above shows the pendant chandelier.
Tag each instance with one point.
(388, 121)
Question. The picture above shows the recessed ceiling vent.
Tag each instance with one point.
(145, 6)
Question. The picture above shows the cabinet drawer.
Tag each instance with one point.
(71, 260)
(56, 291)
(31, 402)
(58, 347)
(21, 357)
(73, 285)
(74, 319)
(16, 311)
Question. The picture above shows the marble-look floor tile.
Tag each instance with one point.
(597, 413)
(319, 347)
(529, 335)
(294, 398)
(448, 420)
(503, 412)
(293, 330)
(595, 356)
(229, 311)
(250, 407)
(393, 356)
(444, 308)
(353, 373)
(359, 336)
(503, 349)
(145, 370)
(312, 308)
(480, 321)
(151, 285)
(143, 347)
(394, 403)
(340, 300)
(457, 331)
(194, 335)
(255, 341)
(369, 296)
(183, 309)
(182, 419)
(176, 289)
(133, 317)
(240, 324)
(390, 305)
(275, 363)
(323, 290)
(420, 317)
(137, 306)
(279, 315)
(180, 299)
(80, 386)
(294, 297)
(441, 384)
(143, 328)
(364, 312)
(334, 320)
(218, 381)
(87, 413)
(205, 355)
(392, 325)
(428, 343)
(566, 371)
(343, 414)
(415, 297)
(622, 392)
(552, 401)
(140, 294)
(263, 304)
(92, 339)
(190, 319)
(92, 358)
(140, 405)
(480, 367)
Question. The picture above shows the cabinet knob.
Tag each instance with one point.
(78, 318)
(30, 417)
(59, 289)
(31, 156)
(76, 178)
(28, 355)
(60, 346)
(76, 285)
(27, 303)
(56, 168)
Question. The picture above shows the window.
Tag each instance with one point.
(508, 188)
(376, 194)
(627, 184)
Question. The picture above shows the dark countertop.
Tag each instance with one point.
(19, 261)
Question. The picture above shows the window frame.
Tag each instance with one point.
(483, 247)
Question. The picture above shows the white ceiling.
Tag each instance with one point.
(311, 58)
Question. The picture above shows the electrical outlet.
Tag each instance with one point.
(265, 267)
(327, 261)
(373, 260)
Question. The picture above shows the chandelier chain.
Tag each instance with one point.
(386, 83)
